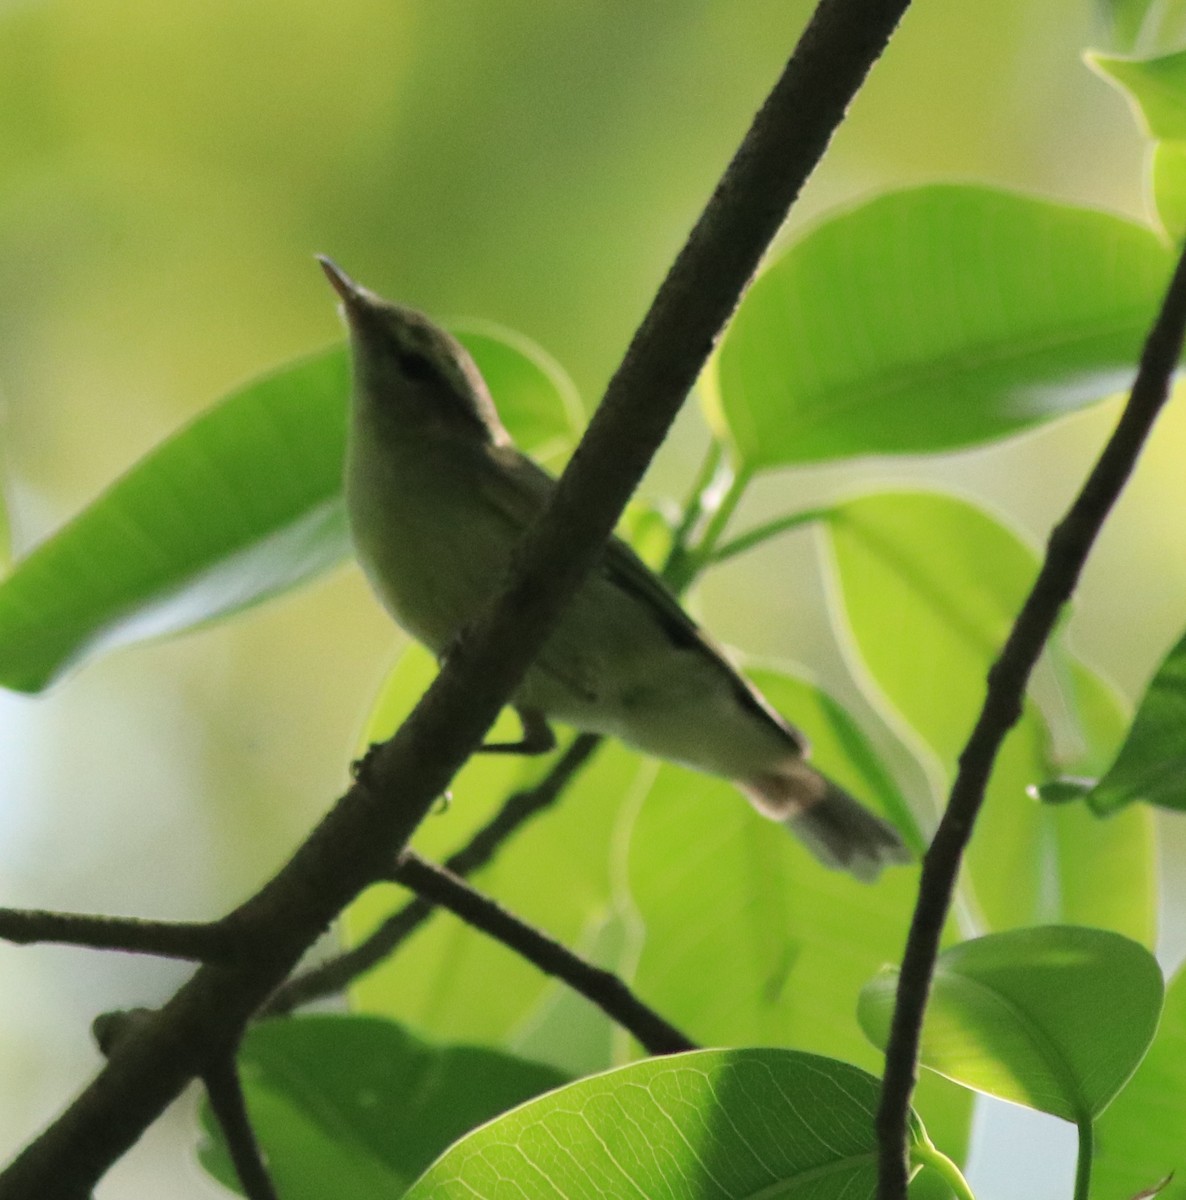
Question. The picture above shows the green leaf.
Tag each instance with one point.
(716, 889)
(659, 874)
(1056, 1017)
(1169, 187)
(934, 318)
(1156, 88)
(1125, 17)
(1066, 789)
(358, 1107)
(1151, 765)
(237, 506)
(713, 1123)
(243, 503)
(929, 586)
(1104, 873)
(1139, 1138)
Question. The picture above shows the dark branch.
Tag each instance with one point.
(370, 825)
(1067, 551)
(230, 1111)
(601, 987)
(337, 973)
(200, 941)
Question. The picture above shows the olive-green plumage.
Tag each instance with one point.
(437, 497)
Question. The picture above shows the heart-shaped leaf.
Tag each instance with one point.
(1055, 1017)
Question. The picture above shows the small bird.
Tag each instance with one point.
(437, 496)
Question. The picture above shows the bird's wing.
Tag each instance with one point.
(521, 488)
(633, 576)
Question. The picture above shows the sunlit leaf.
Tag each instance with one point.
(714, 1124)
(659, 874)
(1055, 1017)
(928, 588)
(1139, 1138)
(1169, 187)
(934, 318)
(1144, 23)
(1102, 872)
(358, 1107)
(241, 504)
(1155, 86)
(717, 889)
(1151, 765)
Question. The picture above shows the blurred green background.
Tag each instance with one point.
(166, 176)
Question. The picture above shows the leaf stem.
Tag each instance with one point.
(1086, 1151)
(686, 562)
(927, 1154)
(753, 537)
(694, 506)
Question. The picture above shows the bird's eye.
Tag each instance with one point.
(415, 366)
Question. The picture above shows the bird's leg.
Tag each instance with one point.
(537, 738)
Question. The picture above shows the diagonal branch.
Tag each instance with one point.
(339, 972)
(603, 988)
(1067, 551)
(355, 843)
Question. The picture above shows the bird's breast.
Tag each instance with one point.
(429, 547)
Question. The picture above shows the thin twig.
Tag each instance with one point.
(229, 1106)
(356, 842)
(1067, 551)
(200, 941)
(603, 988)
(335, 974)
(760, 533)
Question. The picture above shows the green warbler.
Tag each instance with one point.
(437, 497)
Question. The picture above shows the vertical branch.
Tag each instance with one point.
(1067, 551)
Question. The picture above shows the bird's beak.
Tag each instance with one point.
(353, 296)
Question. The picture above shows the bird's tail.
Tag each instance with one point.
(838, 830)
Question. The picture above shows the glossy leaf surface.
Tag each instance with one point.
(929, 587)
(713, 1124)
(243, 503)
(934, 318)
(1055, 1017)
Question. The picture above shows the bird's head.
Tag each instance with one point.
(410, 373)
